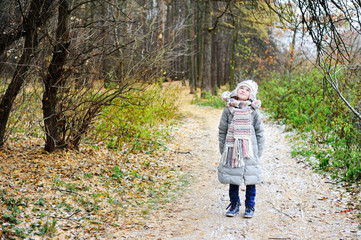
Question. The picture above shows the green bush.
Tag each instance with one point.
(139, 120)
(307, 103)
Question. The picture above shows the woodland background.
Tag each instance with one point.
(84, 76)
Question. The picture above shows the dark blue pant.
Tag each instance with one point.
(250, 194)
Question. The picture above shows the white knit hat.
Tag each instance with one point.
(252, 85)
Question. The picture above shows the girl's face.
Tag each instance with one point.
(243, 93)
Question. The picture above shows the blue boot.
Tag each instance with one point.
(233, 209)
(249, 212)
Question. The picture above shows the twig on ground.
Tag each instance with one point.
(183, 152)
(280, 212)
(65, 190)
(279, 238)
(68, 217)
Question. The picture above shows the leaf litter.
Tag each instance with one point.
(83, 194)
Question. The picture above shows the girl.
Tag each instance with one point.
(241, 142)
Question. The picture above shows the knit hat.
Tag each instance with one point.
(252, 85)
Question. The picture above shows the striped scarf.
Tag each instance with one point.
(238, 143)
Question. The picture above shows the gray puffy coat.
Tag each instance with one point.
(251, 171)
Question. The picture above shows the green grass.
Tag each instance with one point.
(306, 103)
(209, 101)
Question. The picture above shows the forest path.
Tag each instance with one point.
(292, 202)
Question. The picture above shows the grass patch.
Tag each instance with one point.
(209, 100)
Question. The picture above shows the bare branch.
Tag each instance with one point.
(219, 16)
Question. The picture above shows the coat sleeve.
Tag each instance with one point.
(259, 130)
(223, 128)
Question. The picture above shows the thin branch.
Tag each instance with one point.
(218, 17)
(328, 78)
(79, 5)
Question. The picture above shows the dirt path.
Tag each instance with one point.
(292, 202)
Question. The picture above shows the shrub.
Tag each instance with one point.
(139, 120)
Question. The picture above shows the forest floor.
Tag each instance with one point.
(102, 194)
(292, 201)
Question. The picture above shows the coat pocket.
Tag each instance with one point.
(228, 175)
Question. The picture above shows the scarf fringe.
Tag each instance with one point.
(237, 156)
(241, 149)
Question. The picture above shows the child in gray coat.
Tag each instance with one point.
(241, 142)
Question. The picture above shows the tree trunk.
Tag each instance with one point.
(220, 58)
(54, 79)
(289, 64)
(232, 78)
(190, 50)
(227, 63)
(35, 18)
(215, 56)
(106, 63)
(200, 42)
(195, 46)
(207, 50)
(214, 64)
(17, 82)
(163, 19)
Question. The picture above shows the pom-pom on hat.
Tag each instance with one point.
(252, 85)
